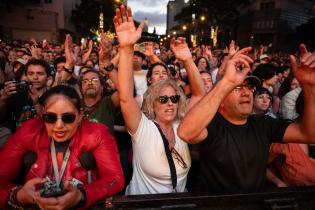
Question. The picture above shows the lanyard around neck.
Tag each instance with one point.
(58, 175)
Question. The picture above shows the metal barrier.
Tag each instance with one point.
(279, 199)
(301, 198)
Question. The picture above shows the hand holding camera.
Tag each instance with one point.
(13, 87)
(71, 197)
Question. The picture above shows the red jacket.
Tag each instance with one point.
(108, 178)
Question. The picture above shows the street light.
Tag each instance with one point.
(184, 27)
(202, 18)
(174, 32)
(168, 36)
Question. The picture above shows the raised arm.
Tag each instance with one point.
(182, 53)
(192, 129)
(105, 62)
(86, 55)
(304, 131)
(127, 35)
(149, 52)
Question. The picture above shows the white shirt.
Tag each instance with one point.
(140, 78)
(151, 172)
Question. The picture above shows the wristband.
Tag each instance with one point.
(82, 202)
(110, 67)
(70, 71)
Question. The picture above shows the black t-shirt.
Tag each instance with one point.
(234, 157)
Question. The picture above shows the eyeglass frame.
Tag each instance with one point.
(178, 158)
(248, 86)
(90, 81)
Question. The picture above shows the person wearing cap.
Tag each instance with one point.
(264, 58)
(235, 144)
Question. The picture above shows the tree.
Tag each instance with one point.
(86, 15)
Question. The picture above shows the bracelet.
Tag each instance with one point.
(70, 71)
(82, 202)
(12, 201)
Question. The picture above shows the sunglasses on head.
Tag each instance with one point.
(164, 99)
(52, 118)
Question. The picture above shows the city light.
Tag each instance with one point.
(168, 36)
(184, 27)
(202, 18)
(174, 32)
(161, 40)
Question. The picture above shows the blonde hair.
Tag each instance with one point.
(153, 92)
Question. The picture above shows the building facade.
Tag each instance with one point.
(270, 22)
(173, 8)
(42, 19)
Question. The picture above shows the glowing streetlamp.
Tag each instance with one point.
(174, 32)
(202, 18)
(184, 27)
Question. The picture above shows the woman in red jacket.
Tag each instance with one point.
(60, 141)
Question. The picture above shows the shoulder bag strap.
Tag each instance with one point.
(169, 158)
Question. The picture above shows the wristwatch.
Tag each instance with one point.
(110, 67)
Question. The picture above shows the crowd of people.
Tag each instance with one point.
(79, 125)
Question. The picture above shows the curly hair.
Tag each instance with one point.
(153, 93)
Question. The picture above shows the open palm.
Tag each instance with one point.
(127, 34)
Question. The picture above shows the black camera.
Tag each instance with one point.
(50, 189)
(22, 86)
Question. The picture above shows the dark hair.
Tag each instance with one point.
(152, 66)
(39, 62)
(63, 90)
(198, 59)
(95, 72)
(61, 59)
(285, 86)
(261, 90)
(265, 71)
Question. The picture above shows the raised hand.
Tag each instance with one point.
(233, 49)
(148, 46)
(305, 71)
(68, 52)
(105, 48)
(180, 49)
(126, 31)
(232, 73)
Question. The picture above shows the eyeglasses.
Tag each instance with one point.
(52, 118)
(164, 99)
(178, 158)
(92, 81)
(250, 87)
(264, 96)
